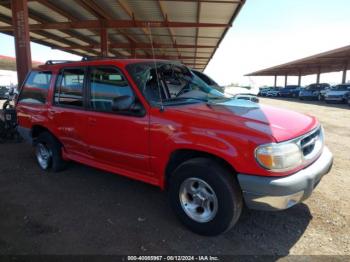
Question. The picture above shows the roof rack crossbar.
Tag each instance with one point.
(92, 58)
(53, 62)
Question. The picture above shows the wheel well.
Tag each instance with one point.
(37, 130)
(182, 155)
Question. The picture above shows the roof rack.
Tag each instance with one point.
(53, 62)
(92, 58)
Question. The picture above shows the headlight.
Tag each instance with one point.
(279, 157)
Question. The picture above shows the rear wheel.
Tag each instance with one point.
(205, 196)
(48, 152)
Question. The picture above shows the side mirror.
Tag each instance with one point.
(123, 103)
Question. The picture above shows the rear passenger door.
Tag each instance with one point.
(32, 101)
(118, 139)
(67, 112)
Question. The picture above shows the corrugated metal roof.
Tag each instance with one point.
(330, 61)
(185, 30)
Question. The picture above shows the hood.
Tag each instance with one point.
(277, 123)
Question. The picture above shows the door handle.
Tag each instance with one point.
(51, 113)
(92, 121)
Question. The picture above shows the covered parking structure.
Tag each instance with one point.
(189, 31)
(331, 61)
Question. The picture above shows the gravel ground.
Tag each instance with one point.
(86, 211)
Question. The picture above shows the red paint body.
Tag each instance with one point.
(140, 147)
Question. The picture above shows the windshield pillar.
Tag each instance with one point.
(344, 73)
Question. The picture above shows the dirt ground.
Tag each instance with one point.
(86, 211)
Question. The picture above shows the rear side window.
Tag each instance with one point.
(107, 83)
(69, 87)
(36, 88)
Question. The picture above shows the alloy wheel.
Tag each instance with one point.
(198, 200)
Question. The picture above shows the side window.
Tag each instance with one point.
(107, 83)
(204, 78)
(36, 88)
(69, 87)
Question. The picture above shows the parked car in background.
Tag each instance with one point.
(209, 81)
(157, 122)
(290, 91)
(338, 93)
(314, 92)
(263, 91)
(274, 92)
(3, 91)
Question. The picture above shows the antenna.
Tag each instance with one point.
(155, 65)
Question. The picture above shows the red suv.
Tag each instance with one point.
(156, 121)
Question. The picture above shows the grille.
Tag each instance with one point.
(309, 143)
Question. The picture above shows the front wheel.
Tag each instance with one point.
(205, 196)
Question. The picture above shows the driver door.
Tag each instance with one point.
(116, 139)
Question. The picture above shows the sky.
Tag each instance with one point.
(272, 32)
(265, 33)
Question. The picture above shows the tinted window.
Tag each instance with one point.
(69, 87)
(36, 87)
(106, 84)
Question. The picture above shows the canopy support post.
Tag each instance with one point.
(104, 42)
(299, 79)
(344, 73)
(318, 76)
(22, 40)
(285, 80)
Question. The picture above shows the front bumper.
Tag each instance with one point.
(278, 193)
(337, 99)
(286, 94)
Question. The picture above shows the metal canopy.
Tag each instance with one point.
(186, 30)
(9, 63)
(331, 61)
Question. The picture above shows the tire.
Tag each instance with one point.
(48, 152)
(214, 181)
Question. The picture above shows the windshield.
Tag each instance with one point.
(342, 87)
(171, 83)
(317, 86)
(291, 87)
